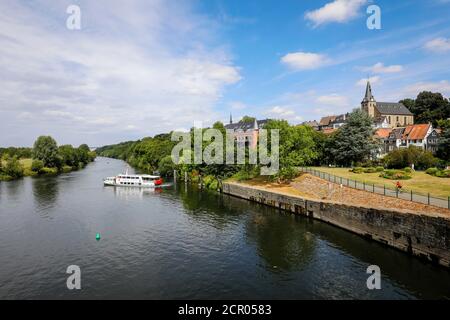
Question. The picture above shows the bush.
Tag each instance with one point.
(407, 170)
(432, 171)
(37, 165)
(379, 169)
(210, 182)
(357, 170)
(443, 174)
(49, 171)
(370, 170)
(395, 175)
(438, 173)
(13, 168)
(405, 157)
(66, 169)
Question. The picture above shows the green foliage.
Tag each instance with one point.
(428, 107)
(49, 171)
(438, 173)
(444, 140)
(166, 166)
(37, 165)
(296, 147)
(357, 170)
(395, 175)
(248, 119)
(20, 153)
(46, 150)
(379, 169)
(406, 157)
(13, 168)
(407, 170)
(432, 171)
(211, 182)
(353, 142)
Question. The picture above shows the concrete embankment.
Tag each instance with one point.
(422, 235)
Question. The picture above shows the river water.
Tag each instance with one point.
(179, 243)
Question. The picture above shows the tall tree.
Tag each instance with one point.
(46, 149)
(354, 141)
(444, 140)
(428, 107)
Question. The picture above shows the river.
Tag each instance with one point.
(180, 243)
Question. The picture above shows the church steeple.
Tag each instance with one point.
(369, 104)
(368, 97)
(231, 119)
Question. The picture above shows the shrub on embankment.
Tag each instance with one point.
(438, 173)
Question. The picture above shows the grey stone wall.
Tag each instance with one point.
(419, 235)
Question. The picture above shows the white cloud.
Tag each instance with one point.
(143, 67)
(440, 86)
(362, 82)
(280, 112)
(333, 100)
(337, 11)
(438, 45)
(304, 60)
(381, 68)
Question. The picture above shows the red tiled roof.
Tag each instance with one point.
(416, 131)
(383, 132)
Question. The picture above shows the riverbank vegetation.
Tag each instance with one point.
(45, 158)
(352, 146)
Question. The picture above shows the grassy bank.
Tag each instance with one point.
(28, 172)
(420, 181)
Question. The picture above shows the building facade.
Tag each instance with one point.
(393, 113)
(246, 133)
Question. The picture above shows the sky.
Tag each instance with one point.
(137, 68)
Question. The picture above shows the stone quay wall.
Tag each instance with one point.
(421, 235)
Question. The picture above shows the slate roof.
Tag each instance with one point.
(396, 133)
(392, 108)
(245, 125)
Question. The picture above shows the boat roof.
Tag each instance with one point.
(138, 175)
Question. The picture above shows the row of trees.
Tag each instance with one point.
(46, 157)
(353, 144)
(47, 154)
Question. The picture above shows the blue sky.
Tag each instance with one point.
(138, 68)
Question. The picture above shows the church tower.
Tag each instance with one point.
(368, 104)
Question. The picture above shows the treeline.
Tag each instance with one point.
(353, 145)
(429, 107)
(44, 158)
(20, 153)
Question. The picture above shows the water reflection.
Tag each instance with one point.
(128, 193)
(282, 244)
(45, 192)
(209, 207)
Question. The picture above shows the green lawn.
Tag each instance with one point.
(26, 163)
(420, 182)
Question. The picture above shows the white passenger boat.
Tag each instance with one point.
(134, 180)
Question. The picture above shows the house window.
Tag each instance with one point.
(404, 120)
(397, 118)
